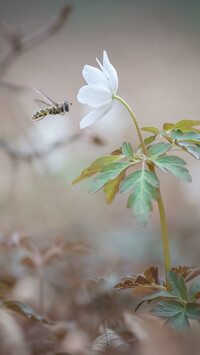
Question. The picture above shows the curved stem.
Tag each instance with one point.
(164, 238)
(135, 121)
(159, 201)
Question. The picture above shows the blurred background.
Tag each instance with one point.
(154, 46)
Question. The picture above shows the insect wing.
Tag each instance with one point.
(42, 104)
(45, 97)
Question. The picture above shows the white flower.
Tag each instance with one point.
(100, 91)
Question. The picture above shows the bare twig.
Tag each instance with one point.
(20, 45)
(19, 154)
(13, 86)
(10, 34)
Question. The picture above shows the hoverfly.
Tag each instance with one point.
(51, 107)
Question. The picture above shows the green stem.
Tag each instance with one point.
(135, 121)
(160, 201)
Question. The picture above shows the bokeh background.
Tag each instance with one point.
(154, 46)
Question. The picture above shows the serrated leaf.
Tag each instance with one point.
(191, 148)
(177, 284)
(179, 321)
(167, 308)
(186, 125)
(127, 151)
(174, 165)
(26, 311)
(151, 275)
(144, 183)
(193, 311)
(109, 172)
(186, 271)
(96, 166)
(112, 187)
(194, 273)
(160, 294)
(194, 290)
(158, 149)
(134, 178)
(189, 142)
(151, 129)
(191, 136)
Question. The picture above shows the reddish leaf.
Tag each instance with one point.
(151, 275)
(188, 272)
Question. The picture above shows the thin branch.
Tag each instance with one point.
(30, 156)
(10, 34)
(47, 31)
(20, 45)
(13, 86)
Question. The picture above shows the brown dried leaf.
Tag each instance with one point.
(127, 282)
(151, 275)
(147, 284)
(109, 340)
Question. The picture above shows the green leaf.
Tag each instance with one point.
(133, 179)
(179, 321)
(163, 294)
(149, 140)
(194, 290)
(167, 309)
(167, 127)
(186, 125)
(109, 172)
(96, 166)
(174, 165)
(191, 136)
(176, 134)
(127, 151)
(151, 129)
(177, 284)
(193, 311)
(160, 294)
(143, 183)
(158, 149)
(189, 142)
(26, 311)
(191, 148)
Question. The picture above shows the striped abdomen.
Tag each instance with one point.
(53, 110)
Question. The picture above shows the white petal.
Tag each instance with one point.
(104, 71)
(95, 115)
(93, 95)
(111, 72)
(94, 76)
